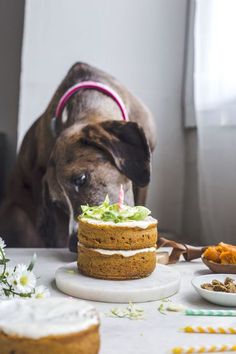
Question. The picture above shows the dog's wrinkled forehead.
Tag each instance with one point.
(83, 157)
(71, 154)
(70, 148)
(123, 144)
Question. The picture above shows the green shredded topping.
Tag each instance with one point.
(161, 309)
(166, 305)
(112, 212)
(70, 271)
(131, 312)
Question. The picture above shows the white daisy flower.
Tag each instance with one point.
(25, 280)
(10, 276)
(20, 268)
(2, 243)
(2, 246)
(41, 292)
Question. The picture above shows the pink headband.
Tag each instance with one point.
(91, 85)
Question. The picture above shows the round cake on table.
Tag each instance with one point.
(50, 325)
(116, 242)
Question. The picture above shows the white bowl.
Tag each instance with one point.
(219, 298)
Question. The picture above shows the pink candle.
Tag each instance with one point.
(121, 196)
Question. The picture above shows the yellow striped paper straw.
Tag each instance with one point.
(214, 330)
(204, 349)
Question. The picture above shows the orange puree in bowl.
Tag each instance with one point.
(222, 253)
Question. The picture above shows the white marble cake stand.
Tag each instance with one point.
(162, 283)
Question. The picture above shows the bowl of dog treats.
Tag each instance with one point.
(219, 289)
(220, 258)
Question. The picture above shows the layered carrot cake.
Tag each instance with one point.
(116, 243)
(50, 325)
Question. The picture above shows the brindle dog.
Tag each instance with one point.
(89, 153)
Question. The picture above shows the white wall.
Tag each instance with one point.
(141, 42)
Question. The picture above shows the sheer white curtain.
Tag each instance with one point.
(215, 105)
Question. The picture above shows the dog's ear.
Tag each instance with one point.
(126, 144)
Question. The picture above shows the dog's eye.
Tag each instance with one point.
(79, 181)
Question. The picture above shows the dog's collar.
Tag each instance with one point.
(91, 85)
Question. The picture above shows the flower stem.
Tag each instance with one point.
(4, 265)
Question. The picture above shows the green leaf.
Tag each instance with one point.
(32, 263)
(112, 212)
(106, 202)
(4, 261)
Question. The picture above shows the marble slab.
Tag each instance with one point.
(162, 283)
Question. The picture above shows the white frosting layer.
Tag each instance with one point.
(142, 224)
(37, 318)
(124, 253)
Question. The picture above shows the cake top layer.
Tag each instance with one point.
(115, 214)
(142, 224)
(37, 318)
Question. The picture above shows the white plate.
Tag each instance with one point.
(162, 283)
(219, 298)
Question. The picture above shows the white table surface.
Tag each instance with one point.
(157, 333)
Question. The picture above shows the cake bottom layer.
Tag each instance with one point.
(85, 342)
(115, 266)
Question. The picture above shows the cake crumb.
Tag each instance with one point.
(132, 312)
